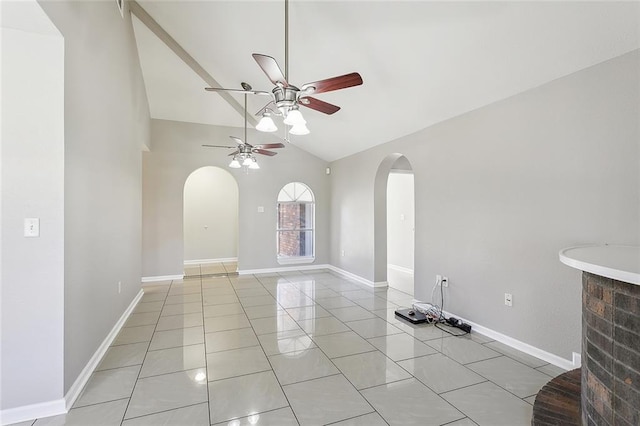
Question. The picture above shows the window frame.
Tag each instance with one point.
(283, 260)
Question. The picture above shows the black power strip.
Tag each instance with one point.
(455, 322)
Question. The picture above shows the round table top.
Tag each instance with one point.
(621, 263)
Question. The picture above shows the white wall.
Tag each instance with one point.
(32, 186)
(500, 190)
(106, 125)
(400, 230)
(210, 215)
(400, 219)
(177, 152)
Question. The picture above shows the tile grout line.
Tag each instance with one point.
(267, 357)
(333, 363)
(204, 346)
(124, 414)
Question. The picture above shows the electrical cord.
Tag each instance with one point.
(447, 331)
(435, 313)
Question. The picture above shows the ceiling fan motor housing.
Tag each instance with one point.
(285, 98)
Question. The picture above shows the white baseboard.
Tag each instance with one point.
(32, 411)
(282, 269)
(400, 269)
(84, 376)
(577, 359)
(62, 405)
(161, 278)
(206, 261)
(519, 345)
(358, 278)
(335, 269)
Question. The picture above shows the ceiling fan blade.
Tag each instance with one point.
(264, 152)
(271, 69)
(319, 105)
(238, 140)
(234, 153)
(269, 146)
(330, 84)
(250, 92)
(219, 146)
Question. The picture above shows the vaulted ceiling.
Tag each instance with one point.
(421, 62)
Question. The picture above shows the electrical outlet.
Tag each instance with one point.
(119, 287)
(508, 299)
(342, 253)
(32, 227)
(442, 281)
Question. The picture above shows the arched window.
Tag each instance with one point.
(296, 223)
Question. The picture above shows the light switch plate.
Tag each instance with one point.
(260, 209)
(31, 227)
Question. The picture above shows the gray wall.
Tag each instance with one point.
(177, 152)
(210, 215)
(500, 190)
(32, 186)
(106, 126)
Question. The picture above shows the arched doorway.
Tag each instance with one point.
(394, 214)
(210, 226)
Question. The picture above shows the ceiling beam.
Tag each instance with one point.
(151, 23)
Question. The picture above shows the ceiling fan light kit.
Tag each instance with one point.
(266, 124)
(243, 154)
(294, 117)
(299, 130)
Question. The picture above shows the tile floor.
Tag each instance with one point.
(297, 348)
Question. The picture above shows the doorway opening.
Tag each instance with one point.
(210, 223)
(400, 227)
(395, 224)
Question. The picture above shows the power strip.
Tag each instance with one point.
(454, 322)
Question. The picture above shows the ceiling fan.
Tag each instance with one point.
(286, 98)
(243, 154)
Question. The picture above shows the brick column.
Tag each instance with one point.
(610, 351)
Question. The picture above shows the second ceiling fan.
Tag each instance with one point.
(286, 98)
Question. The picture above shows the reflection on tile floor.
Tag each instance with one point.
(297, 348)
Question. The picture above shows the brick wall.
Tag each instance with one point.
(291, 216)
(610, 351)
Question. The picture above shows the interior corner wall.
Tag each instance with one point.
(32, 186)
(176, 152)
(210, 215)
(106, 124)
(500, 190)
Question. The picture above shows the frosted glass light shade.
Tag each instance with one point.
(254, 165)
(234, 164)
(294, 117)
(299, 130)
(266, 124)
(247, 161)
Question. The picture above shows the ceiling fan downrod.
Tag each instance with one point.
(286, 40)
